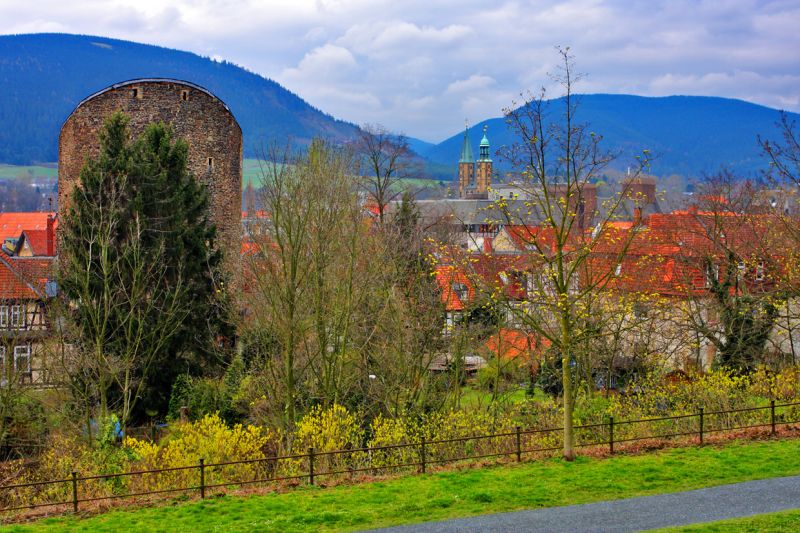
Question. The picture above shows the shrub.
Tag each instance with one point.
(209, 438)
(328, 430)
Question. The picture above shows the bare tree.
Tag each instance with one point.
(557, 159)
(385, 160)
(784, 154)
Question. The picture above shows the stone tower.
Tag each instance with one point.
(466, 168)
(195, 115)
(484, 174)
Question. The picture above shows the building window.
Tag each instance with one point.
(17, 316)
(760, 271)
(210, 163)
(185, 95)
(22, 360)
(136, 93)
(712, 275)
(4, 316)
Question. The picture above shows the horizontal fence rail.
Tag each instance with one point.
(308, 467)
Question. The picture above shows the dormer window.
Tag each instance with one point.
(461, 291)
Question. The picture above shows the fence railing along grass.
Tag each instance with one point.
(63, 495)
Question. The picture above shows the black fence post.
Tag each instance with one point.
(311, 465)
(202, 477)
(611, 434)
(519, 445)
(702, 410)
(772, 415)
(422, 454)
(75, 491)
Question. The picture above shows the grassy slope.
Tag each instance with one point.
(783, 521)
(444, 495)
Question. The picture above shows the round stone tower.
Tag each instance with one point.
(196, 116)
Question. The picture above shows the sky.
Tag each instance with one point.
(424, 67)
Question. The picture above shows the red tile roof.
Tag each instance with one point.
(37, 241)
(23, 278)
(13, 224)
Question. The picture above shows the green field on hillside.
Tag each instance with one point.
(450, 494)
(251, 173)
(33, 171)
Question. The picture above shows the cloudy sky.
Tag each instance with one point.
(423, 66)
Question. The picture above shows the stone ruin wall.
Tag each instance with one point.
(202, 120)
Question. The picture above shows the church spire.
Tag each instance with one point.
(466, 149)
(484, 149)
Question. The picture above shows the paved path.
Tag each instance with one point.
(637, 514)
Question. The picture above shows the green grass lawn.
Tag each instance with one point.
(782, 521)
(414, 499)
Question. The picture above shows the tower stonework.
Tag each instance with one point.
(198, 117)
(474, 179)
(485, 170)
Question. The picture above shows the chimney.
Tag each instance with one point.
(51, 236)
(637, 216)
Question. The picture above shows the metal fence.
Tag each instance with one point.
(68, 494)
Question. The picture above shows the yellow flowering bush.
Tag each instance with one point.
(63, 454)
(209, 438)
(327, 430)
(393, 432)
(460, 424)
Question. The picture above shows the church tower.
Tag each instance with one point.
(484, 177)
(466, 168)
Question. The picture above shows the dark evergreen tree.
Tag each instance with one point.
(141, 195)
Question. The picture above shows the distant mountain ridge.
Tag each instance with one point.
(43, 77)
(687, 135)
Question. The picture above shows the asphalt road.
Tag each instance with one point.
(637, 514)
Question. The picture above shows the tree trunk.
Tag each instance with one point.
(569, 404)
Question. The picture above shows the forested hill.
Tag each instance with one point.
(687, 135)
(43, 77)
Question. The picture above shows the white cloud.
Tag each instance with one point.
(476, 82)
(421, 66)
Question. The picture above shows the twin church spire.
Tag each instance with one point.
(474, 178)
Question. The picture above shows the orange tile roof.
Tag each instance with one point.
(446, 277)
(13, 224)
(513, 344)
